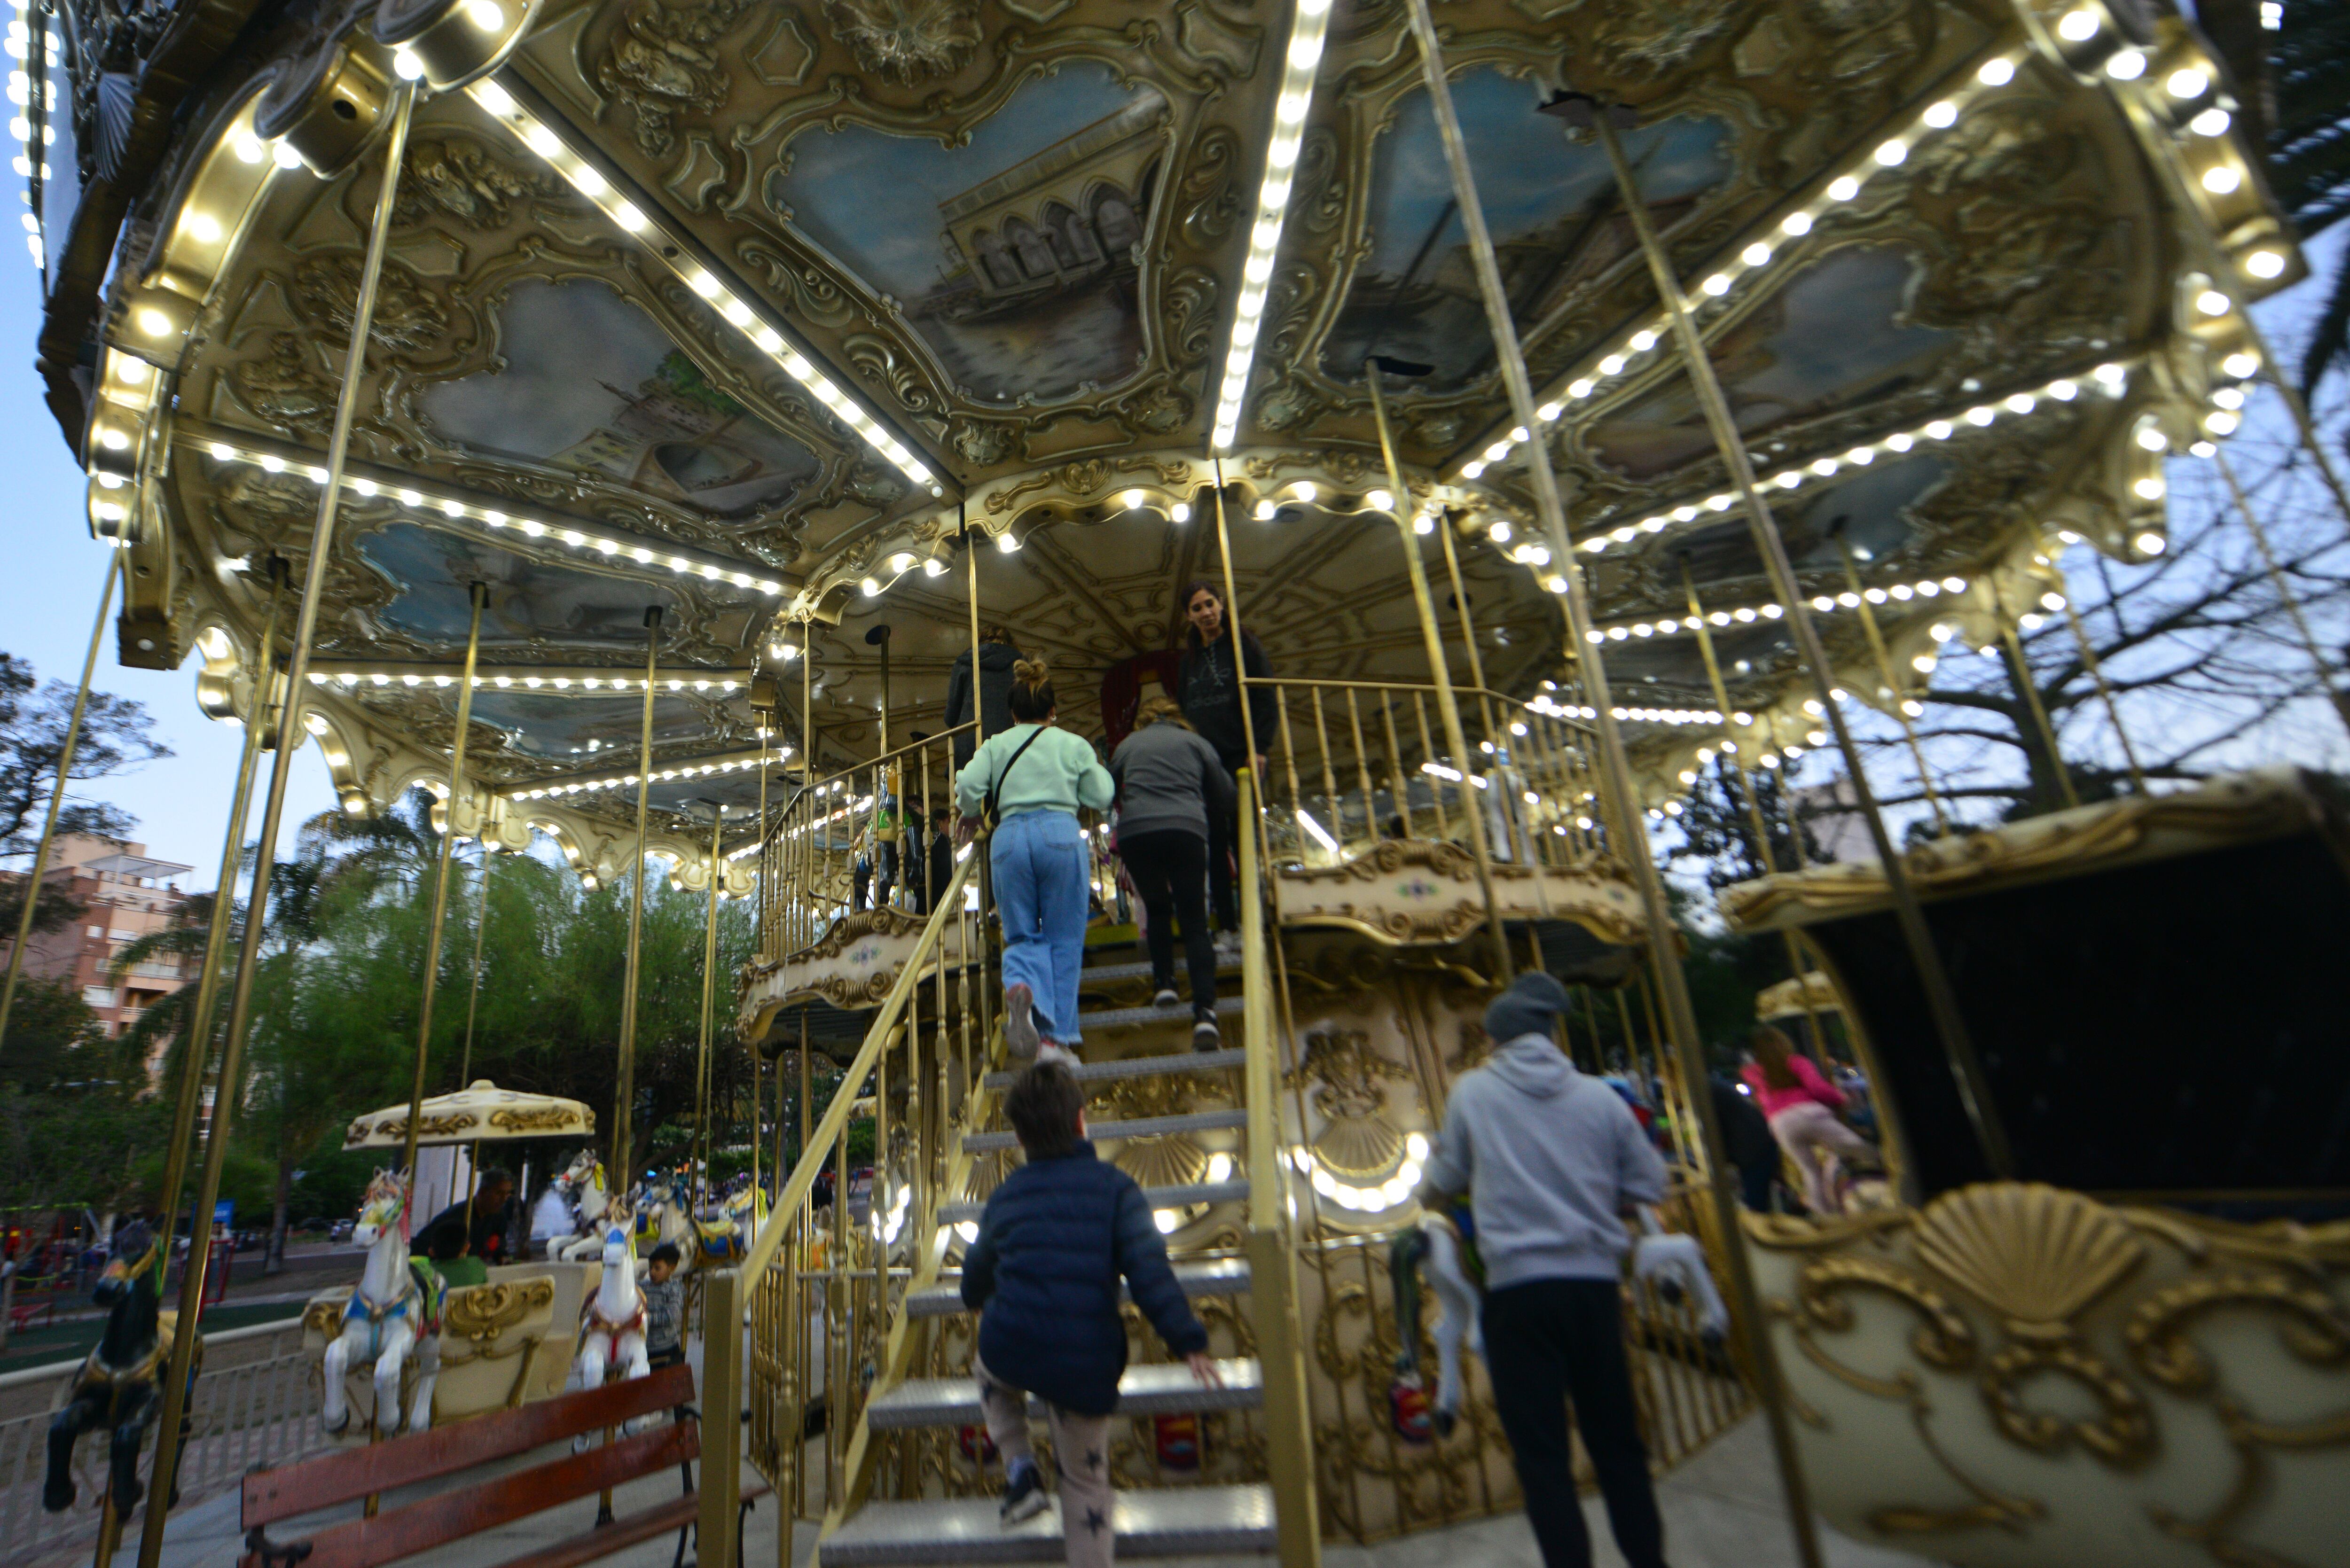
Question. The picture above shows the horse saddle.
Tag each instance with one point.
(720, 1240)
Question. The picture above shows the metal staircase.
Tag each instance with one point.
(861, 1399)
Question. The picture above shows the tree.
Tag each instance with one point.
(2199, 646)
(1718, 828)
(33, 722)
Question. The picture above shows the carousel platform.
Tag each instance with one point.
(1722, 1510)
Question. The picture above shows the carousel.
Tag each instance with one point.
(635, 422)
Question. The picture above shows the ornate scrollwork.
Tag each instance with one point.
(2052, 1270)
(453, 177)
(662, 62)
(287, 392)
(1345, 1083)
(519, 1120)
(407, 316)
(906, 41)
(1207, 198)
(482, 1312)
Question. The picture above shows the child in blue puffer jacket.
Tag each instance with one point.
(1056, 1238)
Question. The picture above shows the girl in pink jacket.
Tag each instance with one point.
(1802, 1106)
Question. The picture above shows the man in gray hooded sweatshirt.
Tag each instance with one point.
(1551, 1157)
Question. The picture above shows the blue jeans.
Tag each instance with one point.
(1039, 859)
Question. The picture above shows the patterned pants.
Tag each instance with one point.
(1081, 1444)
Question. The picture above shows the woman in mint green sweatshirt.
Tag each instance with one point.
(1040, 776)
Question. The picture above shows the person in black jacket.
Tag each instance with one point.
(1748, 1141)
(1208, 687)
(1055, 1238)
(997, 655)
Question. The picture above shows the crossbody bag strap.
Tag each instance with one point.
(990, 808)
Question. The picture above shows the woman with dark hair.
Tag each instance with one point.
(1802, 1106)
(1208, 686)
(1033, 779)
(1171, 784)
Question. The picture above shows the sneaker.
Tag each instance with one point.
(1205, 1036)
(1054, 1051)
(1019, 1022)
(1164, 997)
(1023, 1493)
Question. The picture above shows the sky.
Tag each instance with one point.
(48, 598)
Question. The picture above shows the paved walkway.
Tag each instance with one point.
(1722, 1510)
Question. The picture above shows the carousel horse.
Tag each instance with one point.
(1443, 1245)
(704, 1244)
(394, 1313)
(117, 1387)
(568, 1212)
(612, 1320)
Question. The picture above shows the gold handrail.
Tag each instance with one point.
(726, 1295)
(785, 1211)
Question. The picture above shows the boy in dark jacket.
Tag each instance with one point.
(1056, 1238)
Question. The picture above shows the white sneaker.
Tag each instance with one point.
(1164, 997)
(1054, 1051)
(1019, 1020)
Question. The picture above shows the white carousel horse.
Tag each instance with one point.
(1437, 1244)
(570, 1211)
(393, 1313)
(1668, 1261)
(612, 1320)
(705, 1244)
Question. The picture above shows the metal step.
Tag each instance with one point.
(1146, 1126)
(1133, 1017)
(1162, 1389)
(1168, 1522)
(1102, 974)
(1221, 1277)
(1231, 1059)
(1157, 1197)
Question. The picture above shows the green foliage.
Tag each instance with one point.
(337, 1005)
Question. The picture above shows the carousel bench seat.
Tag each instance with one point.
(431, 1522)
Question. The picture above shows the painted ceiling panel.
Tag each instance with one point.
(587, 381)
(1014, 252)
(532, 606)
(1549, 201)
(601, 732)
(1872, 507)
(1837, 335)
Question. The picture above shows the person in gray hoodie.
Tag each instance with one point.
(1551, 1159)
(1168, 782)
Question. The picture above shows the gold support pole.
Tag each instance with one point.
(1933, 979)
(474, 993)
(702, 1079)
(1770, 862)
(2089, 660)
(1440, 667)
(1631, 846)
(624, 1086)
(1893, 689)
(289, 737)
(1232, 625)
(1272, 1262)
(114, 567)
(199, 1036)
(2019, 671)
(2327, 673)
(478, 596)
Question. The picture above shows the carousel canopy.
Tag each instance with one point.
(479, 1112)
(784, 320)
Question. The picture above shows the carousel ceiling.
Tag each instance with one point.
(755, 315)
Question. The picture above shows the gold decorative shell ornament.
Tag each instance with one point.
(2035, 1255)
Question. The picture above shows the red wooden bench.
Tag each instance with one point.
(434, 1522)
